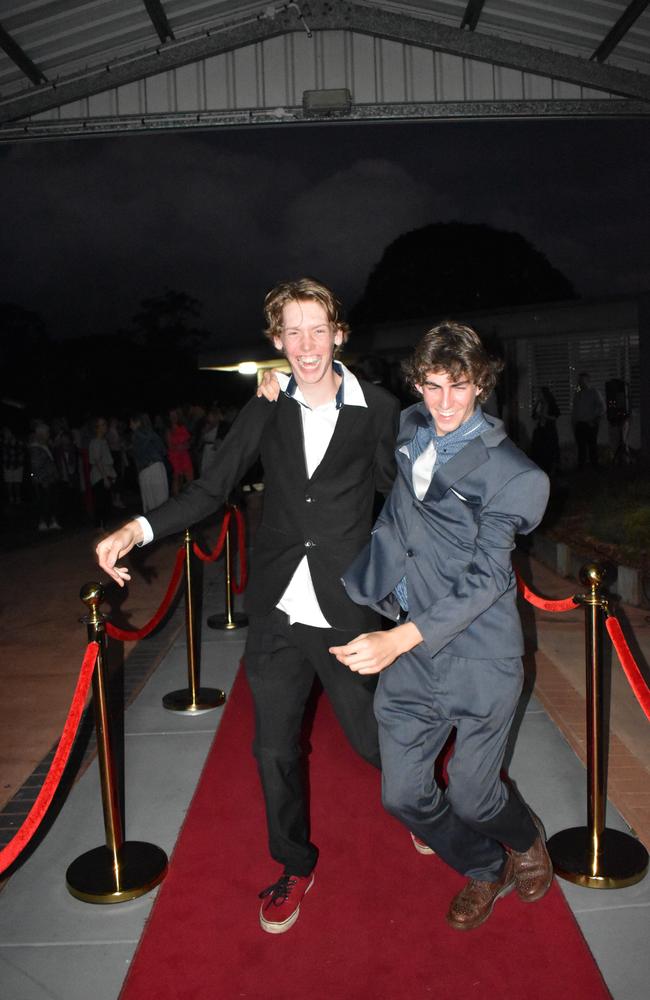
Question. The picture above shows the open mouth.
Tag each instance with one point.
(309, 363)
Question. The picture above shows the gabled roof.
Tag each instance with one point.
(55, 52)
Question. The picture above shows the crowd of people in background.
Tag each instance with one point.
(81, 474)
(78, 474)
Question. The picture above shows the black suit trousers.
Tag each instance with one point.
(282, 662)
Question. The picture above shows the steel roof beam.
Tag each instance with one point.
(20, 58)
(620, 29)
(330, 16)
(472, 14)
(284, 117)
(159, 20)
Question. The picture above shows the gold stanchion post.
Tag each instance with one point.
(123, 869)
(595, 855)
(228, 621)
(194, 699)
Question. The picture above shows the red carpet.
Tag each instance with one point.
(372, 926)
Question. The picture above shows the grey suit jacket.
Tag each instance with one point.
(454, 546)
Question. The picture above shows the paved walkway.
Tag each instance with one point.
(42, 640)
(53, 946)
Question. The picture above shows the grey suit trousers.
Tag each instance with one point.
(419, 699)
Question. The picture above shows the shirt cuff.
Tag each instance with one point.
(147, 533)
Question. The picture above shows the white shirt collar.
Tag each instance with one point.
(351, 395)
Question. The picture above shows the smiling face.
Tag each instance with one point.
(307, 340)
(450, 401)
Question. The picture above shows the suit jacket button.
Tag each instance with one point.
(309, 544)
(309, 499)
(409, 552)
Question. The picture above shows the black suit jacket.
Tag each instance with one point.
(326, 517)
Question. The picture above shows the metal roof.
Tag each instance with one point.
(54, 52)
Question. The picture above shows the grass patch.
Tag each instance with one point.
(603, 510)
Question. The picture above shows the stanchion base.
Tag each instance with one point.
(227, 623)
(623, 859)
(206, 700)
(93, 879)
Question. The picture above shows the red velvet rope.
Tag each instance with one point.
(33, 819)
(127, 635)
(632, 672)
(568, 604)
(216, 551)
(240, 587)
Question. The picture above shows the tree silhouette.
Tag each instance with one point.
(166, 335)
(447, 267)
(25, 354)
(151, 364)
(170, 320)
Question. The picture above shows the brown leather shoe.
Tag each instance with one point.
(473, 904)
(533, 868)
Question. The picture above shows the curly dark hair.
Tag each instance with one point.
(457, 350)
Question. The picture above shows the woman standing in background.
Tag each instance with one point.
(178, 452)
(102, 473)
(149, 457)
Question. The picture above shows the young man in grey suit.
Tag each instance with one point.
(439, 561)
(327, 446)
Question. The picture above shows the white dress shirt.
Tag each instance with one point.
(422, 468)
(299, 601)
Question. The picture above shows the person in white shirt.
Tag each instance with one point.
(327, 448)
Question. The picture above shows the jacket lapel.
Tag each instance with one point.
(292, 432)
(469, 458)
(475, 452)
(347, 425)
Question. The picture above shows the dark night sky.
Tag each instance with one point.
(90, 227)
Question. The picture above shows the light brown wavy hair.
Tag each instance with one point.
(456, 350)
(302, 290)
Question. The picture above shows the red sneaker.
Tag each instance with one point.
(281, 905)
(420, 846)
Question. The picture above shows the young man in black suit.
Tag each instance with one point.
(327, 447)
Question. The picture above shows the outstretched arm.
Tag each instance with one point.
(202, 497)
(199, 498)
